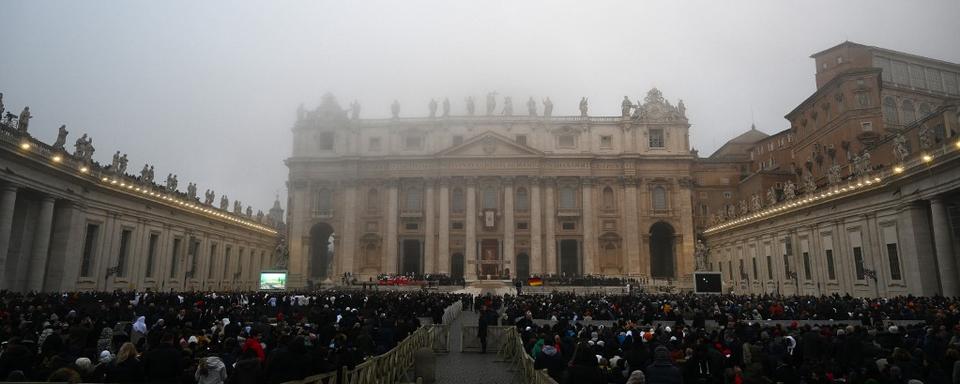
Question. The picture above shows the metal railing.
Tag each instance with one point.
(512, 352)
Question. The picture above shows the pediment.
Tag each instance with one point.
(489, 144)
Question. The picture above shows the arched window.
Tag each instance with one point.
(325, 200)
(908, 114)
(890, 110)
(568, 197)
(373, 199)
(457, 203)
(414, 199)
(659, 199)
(608, 201)
(489, 197)
(523, 200)
(924, 110)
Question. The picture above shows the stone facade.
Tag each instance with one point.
(68, 224)
(491, 196)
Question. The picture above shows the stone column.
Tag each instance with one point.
(920, 272)
(8, 200)
(390, 263)
(348, 249)
(41, 244)
(631, 232)
(946, 260)
(536, 230)
(589, 237)
(509, 228)
(430, 241)
(644, 231)
(550, 214)
(684, 253)
(443, 248)
(470, 264)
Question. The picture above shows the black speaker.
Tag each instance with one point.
(707, 282)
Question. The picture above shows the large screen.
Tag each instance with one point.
(273, 280)
(707, 282)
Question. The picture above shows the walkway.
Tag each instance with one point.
(471, 368)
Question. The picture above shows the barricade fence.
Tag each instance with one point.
(470, 341)
(512, 351)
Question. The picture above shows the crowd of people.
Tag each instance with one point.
(585, 280)
(203, 337)
(647, 339)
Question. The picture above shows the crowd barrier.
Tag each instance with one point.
(512, 351)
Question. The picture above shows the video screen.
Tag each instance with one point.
(273, 281)
(709, 282)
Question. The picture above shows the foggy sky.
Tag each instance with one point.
(209, 89)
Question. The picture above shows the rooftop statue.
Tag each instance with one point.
(491, 103)
(701, 253)
(531, 107)
(249, 211)
(547, 107)
(208, 197)
(833, 174)
(150, 175)
(122, 169)
(471, 107)
(224, 202)
(583, 107)
(682, 108)
(433, 108)
(237, 207)
(900, 151)
(115, 165)
(24, 121)
(395, 109)
(171, 182)
(1, 104)
(145, 173)
(61, 137)
(756, 203)
(789, 190)
(625, 107)
(355, 110)
(508, 106)
(809, 184)
(771, 197)
(192, 190)
(445, 107)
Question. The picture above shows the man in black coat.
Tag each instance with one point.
(662, 371)
(163, 363)
(486, 318)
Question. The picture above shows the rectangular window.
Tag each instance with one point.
(457, 139)
(754, 267)
(374, 144)
(194, 247)
(900, 74)
(124, 252)
(226, 262)
(806, 266)
(239, 262)
(606, 141)
(934, 80)
(916, 77)
(786, 265)
(742, 271)
(326, 141)
(950, 83)
(894, 257)
(151, 253)
(656, 138)
(728, 195)
(523, 225)
(831, 270)
(866, 126)
(769, 267)
(412, 226)
(521, 139)
(413, 142)
(729, 269)
(213, 261)
(89, 248)
(175, 257)
(456, 225)
(566, 141)
(858, 263)
(568, 226)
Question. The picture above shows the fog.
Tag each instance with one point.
(208, 90)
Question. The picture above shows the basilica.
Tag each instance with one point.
(492, 195)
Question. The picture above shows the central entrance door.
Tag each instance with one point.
(569, 257)
(411, 256)
(490, 258)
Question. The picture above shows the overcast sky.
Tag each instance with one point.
(209, 89)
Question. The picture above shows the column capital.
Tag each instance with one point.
(587, 180)
(392, 182)
(936, 200)
(507, 180)
(9, 187)
(49, 199)
(471, 181)
(444, 181)
(629, 181)
(429, 181)
(549, 180)
(533, 180)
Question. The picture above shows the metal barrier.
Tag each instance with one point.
(469, 342)
(512, 351)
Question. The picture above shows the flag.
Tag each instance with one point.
(534, 281)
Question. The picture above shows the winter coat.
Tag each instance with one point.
(211, 371)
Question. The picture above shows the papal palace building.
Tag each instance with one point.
(493, 194)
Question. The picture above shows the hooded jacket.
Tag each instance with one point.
(211, 371)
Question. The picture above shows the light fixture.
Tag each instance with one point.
(958, 143)
(84, 169)
(927, 158)
(25, 146)
(898, 169)
(57, 158)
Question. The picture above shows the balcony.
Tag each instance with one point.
(411, 213)
(323, 213)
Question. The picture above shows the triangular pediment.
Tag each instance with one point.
(489, 144)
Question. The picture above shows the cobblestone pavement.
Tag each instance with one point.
(471, 368)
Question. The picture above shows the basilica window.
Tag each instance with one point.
(863, 99)
(373, 199)
(414, 199)
(325, 141)
(489, 197)
(89, 249)
(608, 200)
(568, 197)
(324, 201)
(566, 141)
(924, 110)
(656, 138)
(374, 144)
(908, 114)
(523, 200)
(413, 143)
(521, 139)
(457, 203)
(890, 110)
(606, 141)
(457, 139)
(659, 197)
